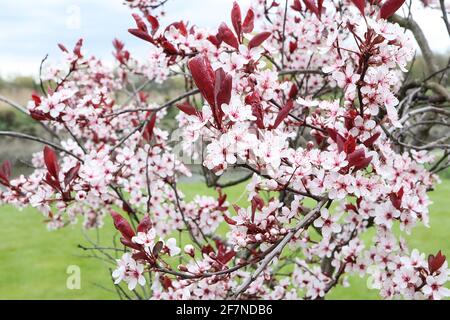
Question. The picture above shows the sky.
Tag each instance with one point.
(31, 29)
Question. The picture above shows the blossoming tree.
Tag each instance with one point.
(307, 100)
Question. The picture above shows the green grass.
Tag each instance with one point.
(33, 261)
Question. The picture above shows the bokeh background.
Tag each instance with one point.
(34, 261)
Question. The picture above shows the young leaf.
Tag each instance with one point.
(71, 174)
(157, 248)
(148, 130)
(122, 225)
(396, 198)
(360, 4)
(140, 23)
(141, 34)
(77, 49)
(249, 22)
(236, 19)
(203, 76)
(222, 88)
(63, 48)
(297, 6)
(312, 7)
(319, 6)
(153, 22)
(258, 39)
(225, 258)
(51, 162)
(145, 224)
(390, 7)
(5, 173)
(187, 108)
(435, 262)
(227, 36)
(283, 113)
(370, 141)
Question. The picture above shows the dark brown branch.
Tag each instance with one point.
(40, 140)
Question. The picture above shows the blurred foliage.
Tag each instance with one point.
(22, 82)
(418, 70)
(13, 120)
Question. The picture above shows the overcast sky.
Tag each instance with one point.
(31, 29)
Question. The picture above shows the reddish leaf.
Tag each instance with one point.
(336, 137)
(180, 26)
(283, 113)
(350, 207)
(225, 258)
(396, 198)
(36, 98)
(71, 174)
(52, 182)
(435, 262)
(390, 7)
(254, 100)
(63, 48)
(236, 19)
(141, 34)
(319, 6)
(139, 256)
(221, 199)
(145, 224)
(229, 220)
(350, 145)
(129, 243)
(153, 22)
(249, 22)
(207, 249)
(5, 169)
(293, 92)
(5, 173)
(157, 248)
(140, 23)
(226, 35)
(123, 226)
(258, 39)
(363, 163)
(214, 40)
(297, 6)
(293, 45)
(51, 162)
(168, 47)
(126, 207)
(77, 49)
(203, 76)
(355, 157)
(222, 90)
(360, 4)
(166, 282)
(148, 130)
(311, 7)
(257, 204)
(370, 141)
(187, 108)
(118, 45)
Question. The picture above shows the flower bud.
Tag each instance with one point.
(182, 268)
(190, 250)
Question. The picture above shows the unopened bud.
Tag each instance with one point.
(190, 250)
(182, 268)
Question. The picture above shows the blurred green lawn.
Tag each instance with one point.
(33, 261)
